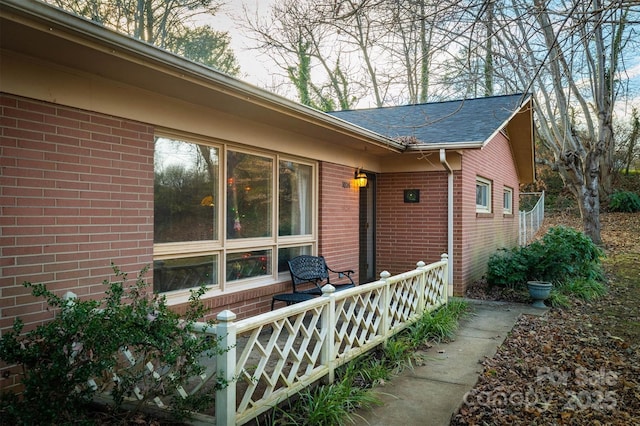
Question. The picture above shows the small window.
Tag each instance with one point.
(483, 195)
(508, 200)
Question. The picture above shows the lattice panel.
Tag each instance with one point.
(404, 300)
(434, 289)
(273, 361)
(358, 320)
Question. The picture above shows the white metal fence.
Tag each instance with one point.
(531, 221)
(277, 354)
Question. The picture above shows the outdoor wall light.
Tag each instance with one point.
(361, 179)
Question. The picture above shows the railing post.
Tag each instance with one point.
(541, 210)
(445, 278)
(385, 301)
(423, 288)
(226, 369)
(328, 351)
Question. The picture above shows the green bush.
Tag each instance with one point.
(66, 361)
(565, 254)
(624, 201)
(508, 268)
(562, 254)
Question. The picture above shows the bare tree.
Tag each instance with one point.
(296, 37)
(568, 55)
(411, 34)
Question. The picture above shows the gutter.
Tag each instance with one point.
(445, 145)
(122, 45)
(443, 160)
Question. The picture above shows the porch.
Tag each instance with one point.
(277, 354)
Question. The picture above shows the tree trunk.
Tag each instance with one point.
(488, 57)
(425, 55)
(589, 200)
(582, 181)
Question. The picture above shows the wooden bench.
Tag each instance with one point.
(305, 269)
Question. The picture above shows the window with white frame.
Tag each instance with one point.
(483, 195)
(507, 205)
(224, 216)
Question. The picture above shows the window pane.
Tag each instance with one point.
(507, 200)
(481, 195)
(248, 264)
(185, 192)
(176, 274)
(295, 191)
(288, 253)
(249, 195)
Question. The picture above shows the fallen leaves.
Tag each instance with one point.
(577, 366)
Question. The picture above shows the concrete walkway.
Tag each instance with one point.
(430, 394)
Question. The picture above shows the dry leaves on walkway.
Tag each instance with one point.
(577, 366)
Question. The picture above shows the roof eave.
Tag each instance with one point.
(118, 44)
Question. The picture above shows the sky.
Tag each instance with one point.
(252, 69)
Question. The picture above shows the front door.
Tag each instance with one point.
(367, 257)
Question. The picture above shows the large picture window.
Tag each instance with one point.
(224, 216)
(249, 195)
(294, 199)
(185, 191)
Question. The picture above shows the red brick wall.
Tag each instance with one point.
(338, 217)
(77, 194)
(482, 234)
(76, 191)
(409, 232)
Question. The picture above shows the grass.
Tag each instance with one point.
(335, 404)
(581, 288)
(331, 404)
(439, 325)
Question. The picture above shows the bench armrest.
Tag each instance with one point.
(346, 273)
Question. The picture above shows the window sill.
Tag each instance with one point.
(507, 215)
(484, 215)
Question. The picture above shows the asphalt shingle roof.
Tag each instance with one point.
(471, 120)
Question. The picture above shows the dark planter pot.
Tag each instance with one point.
(539, 292)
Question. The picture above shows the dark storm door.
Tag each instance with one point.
(367, 237)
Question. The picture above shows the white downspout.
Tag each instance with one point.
(443, 160)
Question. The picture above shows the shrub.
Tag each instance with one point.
(624, 201)
(565, 254)
(562, 254)
(508, 268)
(84, 350)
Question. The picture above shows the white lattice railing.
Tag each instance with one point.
(529, 222)
(277, 354)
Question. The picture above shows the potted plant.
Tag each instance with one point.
(539, 292)
(542, 269)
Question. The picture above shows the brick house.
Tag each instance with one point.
(115, 151)
(468, 159)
